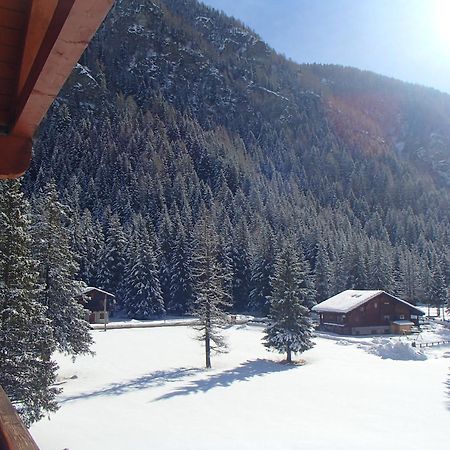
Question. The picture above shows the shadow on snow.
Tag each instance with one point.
(244, 372)
(153, 379)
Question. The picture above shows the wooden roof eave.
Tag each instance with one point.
(57, 33)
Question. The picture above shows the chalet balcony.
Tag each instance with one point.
(13, 433)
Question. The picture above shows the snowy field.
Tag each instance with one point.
(146, 389)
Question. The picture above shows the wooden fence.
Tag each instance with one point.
(429, 344)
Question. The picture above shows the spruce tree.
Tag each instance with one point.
(210, 295)
(323, 275)
(142, 291)
(113, 258)
(180, 270)
(438, 291)
(290, 327)
(57, 270)
(241, 267)
(262, 270)
(26, 338)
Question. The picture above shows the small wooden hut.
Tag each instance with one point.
(98, 303)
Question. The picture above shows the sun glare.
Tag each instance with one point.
(442, 21)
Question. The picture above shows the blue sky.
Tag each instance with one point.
(405, 39)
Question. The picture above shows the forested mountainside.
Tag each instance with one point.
(176, 109)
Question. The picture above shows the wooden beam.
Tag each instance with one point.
(15, 156)
(58, 33)
(73, 24)
(13, 433)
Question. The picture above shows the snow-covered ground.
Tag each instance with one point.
(146, 388)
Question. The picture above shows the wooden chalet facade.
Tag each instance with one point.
(99, 304)
(355, 312)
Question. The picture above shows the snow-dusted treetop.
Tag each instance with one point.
(349, 300)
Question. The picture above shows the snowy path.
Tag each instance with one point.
(145, 388)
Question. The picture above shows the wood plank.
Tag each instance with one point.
(15, 5)
(4, 117)
(5, 101)
(10, 37)
(13, 433)
(9, 54)
(73, 24)
(8, 70)
(41, 14)
(7, 87)
(12, 19)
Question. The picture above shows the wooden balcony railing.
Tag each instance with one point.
(13, 433)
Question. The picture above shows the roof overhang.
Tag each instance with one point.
(40, 43)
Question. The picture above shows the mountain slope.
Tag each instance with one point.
(175, 108)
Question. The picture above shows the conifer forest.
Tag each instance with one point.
(178, 116)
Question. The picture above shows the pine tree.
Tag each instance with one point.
(113, 258)
(26, 337)
(57, 269)
(262, 270)
(438, 291)
(180, 270)
(241, 267)
(323, 275)
(409, 276)
(142, 292)
(210, 296)
(290, 327)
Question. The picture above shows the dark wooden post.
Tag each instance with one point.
(104, 311)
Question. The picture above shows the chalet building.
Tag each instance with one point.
(99, 304)
(367, 312)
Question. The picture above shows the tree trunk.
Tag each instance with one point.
(208, 350)
(289, 354)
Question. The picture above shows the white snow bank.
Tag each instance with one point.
(398, 350)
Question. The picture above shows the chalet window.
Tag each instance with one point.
(402, 316)
(386, 317)
(375, 305)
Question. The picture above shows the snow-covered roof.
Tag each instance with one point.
(90, 288)
(349, 300)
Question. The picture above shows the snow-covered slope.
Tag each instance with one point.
(146, 388)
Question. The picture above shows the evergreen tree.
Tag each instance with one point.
(438, 291)
(57, 269)
(241, 267)
(323, 275)
(142, 291)
(113, 258)
(210, 297)
(26, 338)
(180, 270)
(409, 276)
(290, 327)
(262, 270)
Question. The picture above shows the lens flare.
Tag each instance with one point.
(442, 22)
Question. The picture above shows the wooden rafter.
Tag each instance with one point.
(46, 39)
